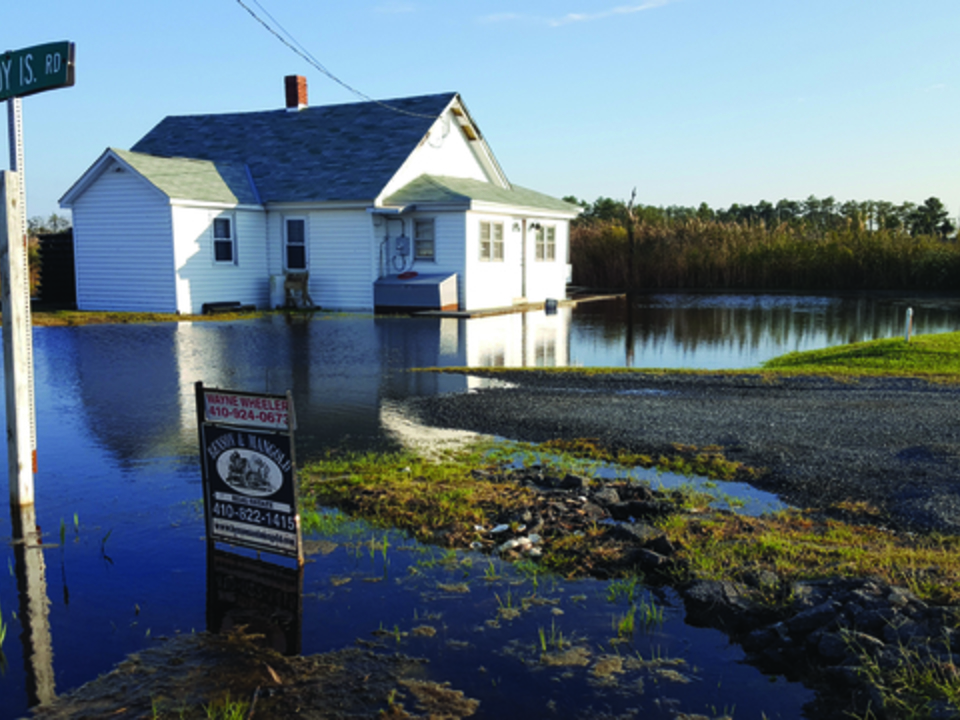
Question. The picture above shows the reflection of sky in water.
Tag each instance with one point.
(117, 449)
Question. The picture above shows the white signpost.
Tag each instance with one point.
(22, 72)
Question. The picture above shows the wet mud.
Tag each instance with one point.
(191, 676)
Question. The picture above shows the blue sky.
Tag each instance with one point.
(687, 100)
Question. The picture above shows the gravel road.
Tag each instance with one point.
(892, 442)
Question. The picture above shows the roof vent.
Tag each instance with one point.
(295, 87)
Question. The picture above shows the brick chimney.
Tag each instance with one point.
(295, 87)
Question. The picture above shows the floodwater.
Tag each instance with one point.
(119, 484)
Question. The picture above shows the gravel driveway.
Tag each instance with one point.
(892, 442)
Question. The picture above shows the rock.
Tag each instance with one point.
(639, 533)
(639, 509)
(863, 644)
(903, 630)
(715, 603)
(662, 546)
(807, 621)
(761, 579)
(646, 560)
(593, 512)
(833, 648)
(573, 482)
(606, 496)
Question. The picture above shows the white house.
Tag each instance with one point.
(221, 208)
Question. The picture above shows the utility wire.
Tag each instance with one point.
(297, 48)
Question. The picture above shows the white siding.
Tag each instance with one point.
(449, 245)
(122, 246)
(446, 151)
(201, 280)
(342, 259)
(492, 283)
(547, 278)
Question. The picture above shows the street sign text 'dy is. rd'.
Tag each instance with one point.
(35, 69)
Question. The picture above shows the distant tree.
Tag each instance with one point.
(53, 224)
(931, 218)
(789, 211)
(705, 212)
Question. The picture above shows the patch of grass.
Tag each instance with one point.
(412, 493)
(3, 630)
(803, 545)
(322, 522)
(936, 356)
(685, 460)
(624, 589)
(910, 688)
(553, 640)
(62, 318)
(227, 709)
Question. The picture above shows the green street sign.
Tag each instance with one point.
(35, 69)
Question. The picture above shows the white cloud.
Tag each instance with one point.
(575, 17)
(603, 14)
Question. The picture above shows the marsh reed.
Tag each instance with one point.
(716, 255)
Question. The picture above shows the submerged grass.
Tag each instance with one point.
(685, 459)
(412, 493)
(442, 501)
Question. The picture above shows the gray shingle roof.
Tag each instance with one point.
(336, 152)
(442, 189)
(185, 179)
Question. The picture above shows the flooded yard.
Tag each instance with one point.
(118, 499)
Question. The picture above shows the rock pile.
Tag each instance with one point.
(834, 634)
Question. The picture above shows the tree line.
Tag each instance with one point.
(817, 215)
(814, 244)
(38, 225)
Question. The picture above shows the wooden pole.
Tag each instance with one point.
(17, 363)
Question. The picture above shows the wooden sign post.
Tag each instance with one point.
(17, 363)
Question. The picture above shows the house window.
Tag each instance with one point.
(423, 240)
(224, 242)
(546, 243)
(491, 241)
(295, 243)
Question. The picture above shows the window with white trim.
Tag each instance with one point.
(295, 243)
(424, 246)
(546, 247)
(491, 241)
(224, 241)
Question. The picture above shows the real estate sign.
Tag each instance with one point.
(249, 470)
(35, 69)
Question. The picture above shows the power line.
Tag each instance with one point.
(297, 48)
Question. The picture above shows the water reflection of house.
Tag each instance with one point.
(136, 383)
